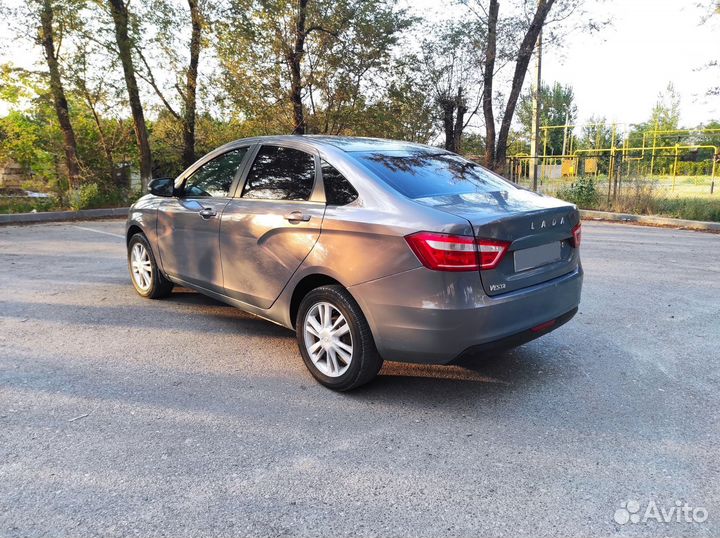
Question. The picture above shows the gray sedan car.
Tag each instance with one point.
(369, 249)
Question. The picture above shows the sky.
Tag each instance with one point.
(617, 73)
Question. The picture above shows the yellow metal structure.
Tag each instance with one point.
(570, 159)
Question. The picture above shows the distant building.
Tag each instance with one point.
(12, 175)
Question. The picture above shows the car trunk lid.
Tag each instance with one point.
(537, 228)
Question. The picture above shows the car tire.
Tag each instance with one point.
(145, 274)
(337, 324)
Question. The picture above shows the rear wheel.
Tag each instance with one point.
(335, 340)
(146, 276)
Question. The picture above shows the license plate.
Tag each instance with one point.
(529, 258)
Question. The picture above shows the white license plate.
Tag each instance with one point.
(529, 258)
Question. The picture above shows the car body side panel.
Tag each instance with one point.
(143, 214)
(261, 249)
(188, 244)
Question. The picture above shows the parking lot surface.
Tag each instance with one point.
(121, 416)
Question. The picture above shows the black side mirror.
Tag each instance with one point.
(162, 186)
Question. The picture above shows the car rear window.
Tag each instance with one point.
(419, 173)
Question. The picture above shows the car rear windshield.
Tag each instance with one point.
(419, 173)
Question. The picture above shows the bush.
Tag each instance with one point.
(582, 193)
(85, 197)
(92, 196)
(17, 204)
(689, 208)
(636, 196)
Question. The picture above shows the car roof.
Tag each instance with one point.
(344, 143)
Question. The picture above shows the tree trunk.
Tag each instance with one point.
(98, 124)
(448, 108)
(188, 156)
(294, 63)
(461, 108)
(488, 75)
(58, 93)
(526, 49)
(120, 18)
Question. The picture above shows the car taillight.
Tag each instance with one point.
(577, 235)
(444, 252)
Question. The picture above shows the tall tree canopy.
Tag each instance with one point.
(305, 65)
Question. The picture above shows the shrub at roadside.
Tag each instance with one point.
(641, 197)
(16, 204)
(581, 193)
(92, 196)
(689, 208)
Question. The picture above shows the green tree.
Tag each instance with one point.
(557, 107)
(596, 133)
(512, 37)
(169, 21)
(306, 65)
(125, 41)
(452, 60)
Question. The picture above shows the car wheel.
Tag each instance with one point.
(335, 339)
(144, 272)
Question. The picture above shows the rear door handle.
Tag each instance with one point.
(207, 213)
(297, 216)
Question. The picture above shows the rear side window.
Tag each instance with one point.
(280, 174)
(421, 173)
(338, 190)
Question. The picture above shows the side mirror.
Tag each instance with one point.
(162, 187)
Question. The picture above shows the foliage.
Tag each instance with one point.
(557, 107)
(451, 59)
(595, 134)
(92, 196)
(347, 44)
(582, 193)
(21, 204)
(642, 197)
(688, 208)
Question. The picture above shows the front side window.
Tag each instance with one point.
(280, 174)
(338, 190)
(422, 173)
(214, 179)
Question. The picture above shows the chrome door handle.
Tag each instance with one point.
(297, 216)
(207, 213)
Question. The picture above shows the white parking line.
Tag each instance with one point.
(97, 231)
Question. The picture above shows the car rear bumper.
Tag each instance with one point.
(433, 317)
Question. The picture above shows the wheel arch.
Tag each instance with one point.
(304, 286)
(132, 230)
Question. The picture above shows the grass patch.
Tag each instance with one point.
(642, 197)
(16, 204)
(689, 208)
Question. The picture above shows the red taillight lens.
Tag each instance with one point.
(443, 252)
(491, 253)
(577, 235)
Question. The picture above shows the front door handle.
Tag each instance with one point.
(297, 216)
(207, 212)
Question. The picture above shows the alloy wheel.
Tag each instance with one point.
(141, 266)
(328, 339)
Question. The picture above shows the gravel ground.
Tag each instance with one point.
(121, 416)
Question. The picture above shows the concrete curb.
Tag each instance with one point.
(651, 220)
(60, 216)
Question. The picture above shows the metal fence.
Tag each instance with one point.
(667, 171)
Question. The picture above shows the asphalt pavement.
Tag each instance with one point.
(121, 416)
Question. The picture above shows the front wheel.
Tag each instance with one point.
(146, 276)
(335, 340)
